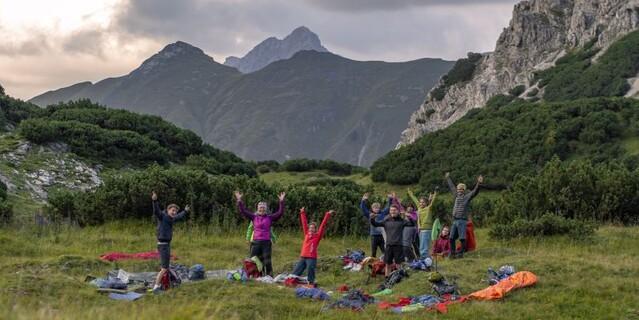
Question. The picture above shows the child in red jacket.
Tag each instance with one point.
(312, 237)
(442, 244)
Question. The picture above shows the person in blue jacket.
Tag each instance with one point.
(377, 233)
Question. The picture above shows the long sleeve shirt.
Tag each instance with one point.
(461, 200)
(261, 223)
(425, 214)
(394, 228)
(380, 216)
(164, 230)
(312, 240)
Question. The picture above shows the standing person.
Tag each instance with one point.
(377, 237)
(312, 238)
(425, 221)
(261, 245)
(250, 232)
(442, 244)
(461, 200)
(164, 233)
(410, 232)
(394, 226)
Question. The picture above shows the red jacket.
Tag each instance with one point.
(311, 241)
(442, 245)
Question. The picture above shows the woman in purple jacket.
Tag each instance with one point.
(261, 243)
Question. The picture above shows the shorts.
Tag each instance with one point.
(394, 254)
(459, 229)
(164, 249)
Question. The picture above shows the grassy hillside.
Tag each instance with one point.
(502, 141)
(44, 273)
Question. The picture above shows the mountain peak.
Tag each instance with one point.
(172, 51)
(273, 49)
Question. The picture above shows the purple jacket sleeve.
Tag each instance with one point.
(245, 212)
(278, 214)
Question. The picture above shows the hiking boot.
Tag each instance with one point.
(156, 291)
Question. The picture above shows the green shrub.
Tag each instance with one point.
(576, 76)
(546, 225)
(517, 91)
(516, 138)
(462, 71)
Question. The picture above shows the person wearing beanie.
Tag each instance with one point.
(261, 245)
(461, 200)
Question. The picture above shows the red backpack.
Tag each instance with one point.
(377, 268)
(251, 269)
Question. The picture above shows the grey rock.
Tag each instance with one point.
(540, 32)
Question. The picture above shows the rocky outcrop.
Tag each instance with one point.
(273, 49)
(539, 33)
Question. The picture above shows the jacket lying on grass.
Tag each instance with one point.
(165, 222)
(394, 228)
(261, 223)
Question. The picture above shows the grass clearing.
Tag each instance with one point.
(44, 271)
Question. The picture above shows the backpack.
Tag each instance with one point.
(170, 280)
(377, 268)
(196, 272)
(250, 267)
(394, 278)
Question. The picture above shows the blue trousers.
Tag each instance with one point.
(424, 243)
(304, 263)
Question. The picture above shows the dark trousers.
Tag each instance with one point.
(263, 249)
(377, 241)
(304, 263)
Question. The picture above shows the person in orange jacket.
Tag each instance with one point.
(312, 237)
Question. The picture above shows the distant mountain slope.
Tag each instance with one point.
(273, 49)
(314, 105)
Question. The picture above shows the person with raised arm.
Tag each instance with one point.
(394, 226)
(261, 245)
(424, 221)
(461, 201)
(164, 233)
(377, 234)
(312, 238)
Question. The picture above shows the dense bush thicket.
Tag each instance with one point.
(12, 111)
(577, 76)
(462, 71)
(305, 165)
(127, 195)
(517, 138)
(6, 212)
(117, 137)
(570, 195)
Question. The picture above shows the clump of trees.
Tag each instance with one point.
(305, 165)
(462, 71)
(577, 76)
(6, 211)
(126, 195)
(515, 137)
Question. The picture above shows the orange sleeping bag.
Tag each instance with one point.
(518, 280)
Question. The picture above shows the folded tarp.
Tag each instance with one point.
(116, 256)
(518, 280)
(129, 296)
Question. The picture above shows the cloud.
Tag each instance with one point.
(377, 5)
(37, 58)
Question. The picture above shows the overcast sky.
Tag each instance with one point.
(51, 44)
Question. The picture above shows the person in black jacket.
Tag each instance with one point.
(394, 226)
(165, 221)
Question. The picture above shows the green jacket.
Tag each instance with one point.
(249, 233)
(424, 215)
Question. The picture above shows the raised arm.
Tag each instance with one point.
(322, 227)
(280, 210)
(304, 220)
(396, 202)
(386, 209)
(432, 199)
(157, 212)
(181, 214)
(412, 197)
(475, 190)
(242, 208)
(364, 206)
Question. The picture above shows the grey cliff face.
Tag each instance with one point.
(540, 32)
